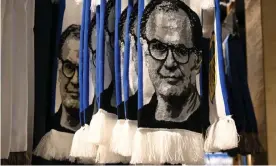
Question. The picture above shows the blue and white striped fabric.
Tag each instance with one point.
(222, 134)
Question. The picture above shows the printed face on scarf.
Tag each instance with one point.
(68, 74)
(133, 38)
(109, 33)
(93, 45)
(171, 56)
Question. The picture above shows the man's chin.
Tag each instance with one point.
(71, 103)
(170, 91)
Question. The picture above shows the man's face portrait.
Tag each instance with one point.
(69, 77)
(68, 74)
(171, 57)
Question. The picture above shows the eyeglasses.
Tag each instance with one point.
(180, 52)
(68, 68)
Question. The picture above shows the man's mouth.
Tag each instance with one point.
(171, 79)
(74, 95)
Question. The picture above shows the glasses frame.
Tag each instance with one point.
(76, 67)
(172, 47)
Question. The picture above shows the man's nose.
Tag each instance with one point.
(75, 78)
(170, 61)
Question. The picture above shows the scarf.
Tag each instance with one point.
(82, 148)
(169, 119)
(222, 134)
(56, 144)
(103, 122)
(117, 141)
(239, 97)
(104, 119)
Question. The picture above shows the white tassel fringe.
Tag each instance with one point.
(222, 135)
(174, 146)
(82, 148)
(104, 155)
(116, 142)
(129, 130)
(101, 127)
(55, 145)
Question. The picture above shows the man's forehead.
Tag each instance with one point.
(170, 27)
(70, 50)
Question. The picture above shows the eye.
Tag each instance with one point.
(158, 46)
(69, 67)
(182, 51)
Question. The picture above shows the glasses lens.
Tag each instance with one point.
(181, 54)
(68, 69)
(158, 50)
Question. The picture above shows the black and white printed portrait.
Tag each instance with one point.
(109, 32)
(171, 39)
(68, 77)
(122, 30)
(93, 47)
(133, 37)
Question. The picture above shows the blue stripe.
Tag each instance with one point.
(81, 62)
(97, 53)
(126, 54)
(220, 57)
(117, 62)
(86, 59)
(102, 47)
(55, 59)
(140, 55)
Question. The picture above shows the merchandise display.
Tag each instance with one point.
(149, 82)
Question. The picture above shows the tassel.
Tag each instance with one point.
(75, 148)
(222, 135)
(55, 145)
(82, 148)
(128, 132)
(101, 126)
(104, 156)
(117, 141)
(174, 146)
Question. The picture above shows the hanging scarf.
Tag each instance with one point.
(56, 144)
(117, 140)
(169, 121)
(82, 148)
(222, 134)
(129, 84)
(102, 123)
(104, 120)
(239, 97)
